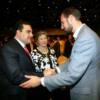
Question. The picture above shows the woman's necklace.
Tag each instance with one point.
(43, 50)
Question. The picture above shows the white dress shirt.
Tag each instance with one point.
(20, 42)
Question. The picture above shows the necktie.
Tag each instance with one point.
(26, 50)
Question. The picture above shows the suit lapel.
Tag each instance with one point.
(21, 50)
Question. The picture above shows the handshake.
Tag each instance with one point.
(35, 81)
(49, 72)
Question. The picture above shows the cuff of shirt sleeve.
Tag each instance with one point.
(42, 81)
(57, 69)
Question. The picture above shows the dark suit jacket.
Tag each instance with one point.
(14, 65)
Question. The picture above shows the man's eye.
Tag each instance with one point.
(28, 31)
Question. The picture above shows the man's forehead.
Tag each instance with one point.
(26, 25)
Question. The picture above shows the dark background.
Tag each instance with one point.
(45, 13)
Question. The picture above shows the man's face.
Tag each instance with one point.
(25, 34)
(65, 24)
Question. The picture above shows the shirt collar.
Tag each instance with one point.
(77, 32)
(20, 42)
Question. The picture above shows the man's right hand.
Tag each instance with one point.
(33, 81)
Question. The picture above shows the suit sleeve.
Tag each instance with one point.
(63, 66)
(11, 67)
(79, 62)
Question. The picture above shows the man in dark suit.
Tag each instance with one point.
(15, 63)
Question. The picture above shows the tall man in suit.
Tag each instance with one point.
(15, 63)
(81, 73)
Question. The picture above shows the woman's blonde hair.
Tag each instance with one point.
(39, 33)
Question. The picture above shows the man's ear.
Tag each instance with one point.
(17, 32)
(70, 18)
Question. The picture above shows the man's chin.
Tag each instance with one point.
(27, 43)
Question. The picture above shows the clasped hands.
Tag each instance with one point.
(35, 81)
(49, 72)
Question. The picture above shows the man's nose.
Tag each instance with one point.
(31, 34)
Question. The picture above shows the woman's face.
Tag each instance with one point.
(42, 40)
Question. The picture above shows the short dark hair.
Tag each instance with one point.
(71, 11)
(19, 24)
